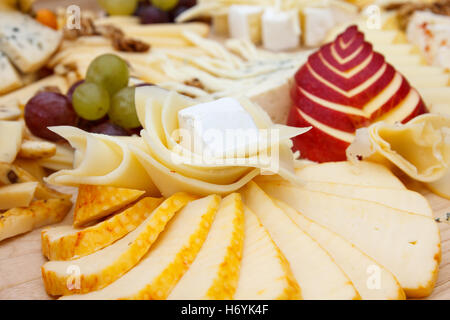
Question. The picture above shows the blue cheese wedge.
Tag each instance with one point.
(10, 77)
(26, 42)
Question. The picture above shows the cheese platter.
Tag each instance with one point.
(225, 149)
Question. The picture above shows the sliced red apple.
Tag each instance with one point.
(343, 86)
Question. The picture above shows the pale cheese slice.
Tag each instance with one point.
(39, 213)
(372, 280)
(67, 242)
(101, 268)
(17, 195)
(214, 273)
(168, 259)
(265, 273)
(314, 269)
(405, 200)
(406, 244)
(11, 133)
(9, 75)
(95, 202)
(420, 148)
(441, 187)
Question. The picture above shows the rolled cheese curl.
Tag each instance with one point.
(103, 160)
(419, 148)
(160, 114)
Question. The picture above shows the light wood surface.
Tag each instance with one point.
(21, 260)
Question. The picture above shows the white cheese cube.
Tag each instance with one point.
(317, 22)
(10, 77)
(280, 29)
(245, 22)
(26, 42)
(218, 129)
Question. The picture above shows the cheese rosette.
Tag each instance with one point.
(174, 168)
(420, 148)
(103, 160)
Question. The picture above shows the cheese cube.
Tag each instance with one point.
(26, 42)
(245, 22)
(220, 23)
(10, 77)
(217, 129)
(280, 29)
(316, 24)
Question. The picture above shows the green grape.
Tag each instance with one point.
(90, 101)
(165, 5)
(109, 71)
(119, 7)
(123, 109)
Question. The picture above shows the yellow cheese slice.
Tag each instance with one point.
(168, 259)
(103, 160)
(265, 274)
(420, 148)
(372, 280)
(314, 269)
(17, 195)
(39, 213)
(67, 242)
(214, 273)
(95, 202)
(441, 187)
(11, 133)
(62, 160)
(407, 244)
(22, 95)
(101, 268)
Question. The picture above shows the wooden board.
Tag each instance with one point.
(21, 260)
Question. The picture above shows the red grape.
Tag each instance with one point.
(109, 129)
(149, 14)
(48, 109)
(187, 3)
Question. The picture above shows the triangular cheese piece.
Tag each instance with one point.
(214, 273)
(99, 269)
(95, 202)
(265, 273)
(314, 269)
(407, 244)
(168, 259)
(372, 280)
(67, 242)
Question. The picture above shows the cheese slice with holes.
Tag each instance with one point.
(67, 242)
(39, 213)
(314, 269)
(372, 280)
(101, 268)
(168, 259)
(17, 195)
(407, 244)
(11, 133)
(95, 202)
(265, 273)
(214, 273)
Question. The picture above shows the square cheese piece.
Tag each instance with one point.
(26, 42)
(245, 22)
(217, 129)
(280, 29)
(10, 77)
(316, 24)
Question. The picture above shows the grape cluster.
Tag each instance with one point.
(148, 11)
(101, 103)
